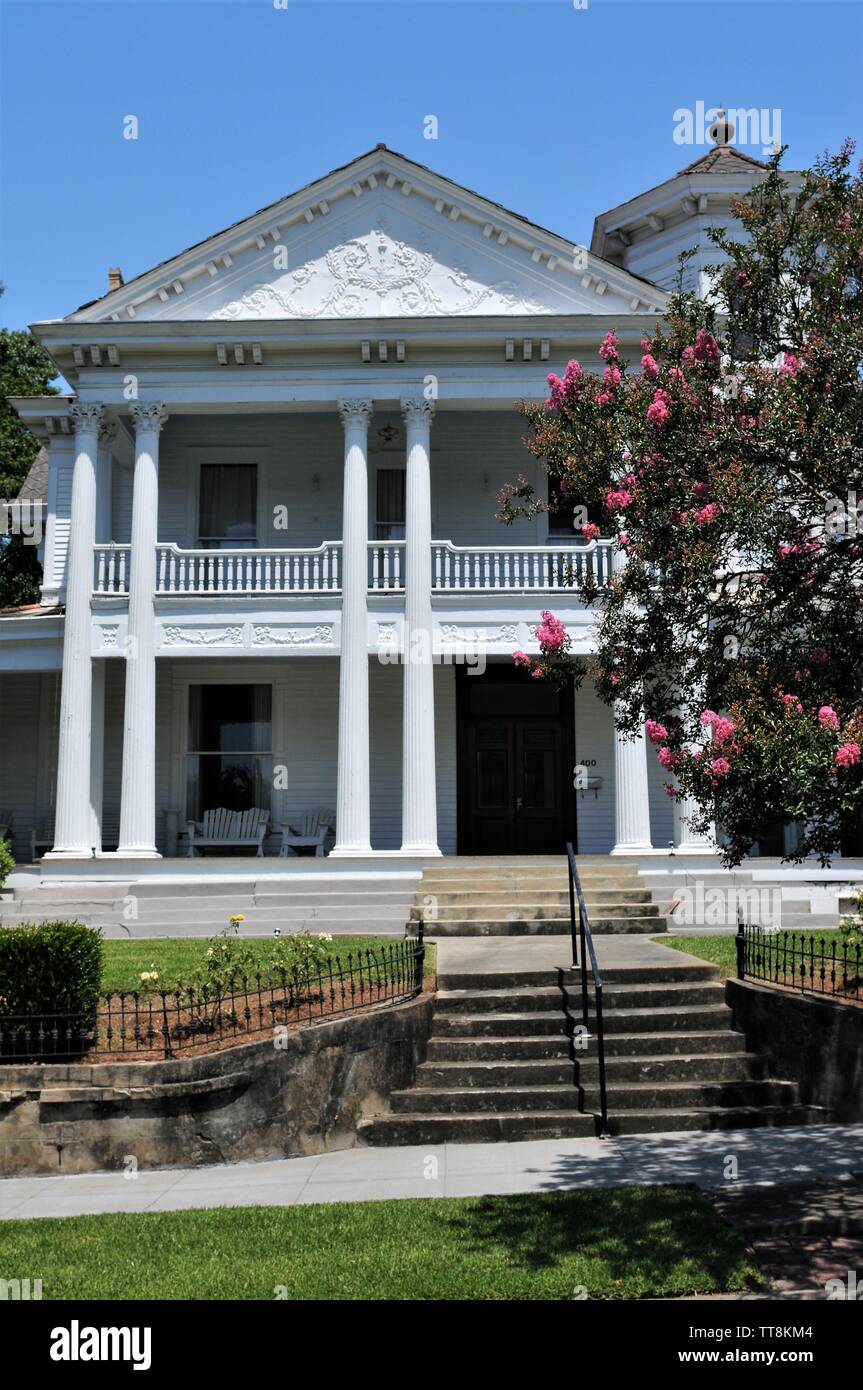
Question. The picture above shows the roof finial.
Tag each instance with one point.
(721, 131)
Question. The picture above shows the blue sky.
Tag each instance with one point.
(556, 112)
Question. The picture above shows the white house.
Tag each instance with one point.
(273, 577)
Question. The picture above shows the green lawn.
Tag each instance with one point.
(722, 951)
(175, 959)
(612, 1244)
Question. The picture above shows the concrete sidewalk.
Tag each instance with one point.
(766, 1156)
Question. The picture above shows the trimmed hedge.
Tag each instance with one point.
(49, 969)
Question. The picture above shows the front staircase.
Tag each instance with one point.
(530, 897)
(503, 1060)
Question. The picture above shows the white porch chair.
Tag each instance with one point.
(229, 829)
(313, 830)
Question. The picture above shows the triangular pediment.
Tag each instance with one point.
(382, 238)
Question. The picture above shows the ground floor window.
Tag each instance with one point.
(229, 761)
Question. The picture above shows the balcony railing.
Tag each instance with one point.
(318, 570)
(249, 571)
(111, 569)
(531, 568)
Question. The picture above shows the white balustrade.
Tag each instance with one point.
(537, 568)
(111, 569)
(242, 572)
(455, 568)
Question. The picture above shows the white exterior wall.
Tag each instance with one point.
(300, 466)
(29, 719)
(305, 727)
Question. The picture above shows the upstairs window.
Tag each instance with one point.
(228, 505)
(561, 513)
(390, 509)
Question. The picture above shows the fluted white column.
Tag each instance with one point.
(419, 793)
(352, 791)
(73, 837)
(97, 754)
(687, 840)
(631, 795)
(138, 798)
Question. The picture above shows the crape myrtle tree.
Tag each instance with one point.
(727, 467)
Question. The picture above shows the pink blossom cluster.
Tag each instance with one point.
(618, 499)
(828, 718)
(566, 387)
(790, 365)
(608, 347)
(551, 633)
(721, 728)
(591, 531)
(787, 548)
(720, 766)
(847, 755)
(521, 658)
(658, 412)
(706, 348)
(792, 702)
(612, 376)
(668, 759)
(650, 365)
(656, 732)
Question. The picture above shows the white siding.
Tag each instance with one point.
(305, 718)
(594, 738)
(29, 717)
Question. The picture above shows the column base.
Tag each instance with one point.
(694, 849)
(84, 852)
(418, 851)
(123, 853)
(641, 847)
(350, 852)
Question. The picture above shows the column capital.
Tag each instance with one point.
(417, 409)
(148, 415)
(87, 416)
(355, 412)
(107, 431)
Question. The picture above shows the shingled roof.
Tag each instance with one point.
(35, 485)
(721, 159)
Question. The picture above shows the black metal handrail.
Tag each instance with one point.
(588, 953)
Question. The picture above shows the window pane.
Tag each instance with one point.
(237, 781)
(230, 718)
(390, 517)
(228, 512)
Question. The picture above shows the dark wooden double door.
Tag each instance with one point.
(515, 764)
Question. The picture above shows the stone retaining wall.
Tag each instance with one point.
(253, 1101)
(814, 1041)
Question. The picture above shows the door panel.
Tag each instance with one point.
(515, 793)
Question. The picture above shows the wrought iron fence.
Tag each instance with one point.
(795, 960)
(164, 1023)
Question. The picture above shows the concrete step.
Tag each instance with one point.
(690, 1095)
(633, 1045)
(476, 1099)
(734, 1117)
(502, 893)
(689, 1067)
(517, 1048)
(475, 1128)
(447, 1076)
(507, 910)
(569, 997)
(547, 926)
(689, 1019)
(699, 971)
(496, 1025)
